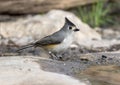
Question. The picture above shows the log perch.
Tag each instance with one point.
(38, 6)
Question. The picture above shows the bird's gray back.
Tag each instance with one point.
(55, 38)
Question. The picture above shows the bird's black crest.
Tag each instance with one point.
(67, 21)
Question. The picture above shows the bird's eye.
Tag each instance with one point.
(70, 27)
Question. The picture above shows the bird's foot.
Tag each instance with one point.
(56, 56)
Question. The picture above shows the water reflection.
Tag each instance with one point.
(102, 75)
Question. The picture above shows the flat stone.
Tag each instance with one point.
(19, 70)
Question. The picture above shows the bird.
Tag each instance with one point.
(58, 41)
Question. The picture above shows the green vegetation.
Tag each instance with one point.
(96, 15)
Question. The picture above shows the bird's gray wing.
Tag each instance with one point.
(50, 40)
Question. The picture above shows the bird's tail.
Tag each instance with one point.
(25, 47)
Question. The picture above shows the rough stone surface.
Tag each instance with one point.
(35, 27)
(26, 71)
(100, 43)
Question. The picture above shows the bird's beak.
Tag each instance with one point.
(76, 29)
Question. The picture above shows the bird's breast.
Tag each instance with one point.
(63, 45)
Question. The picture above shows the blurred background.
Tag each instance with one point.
(96, 13)
(25, 21)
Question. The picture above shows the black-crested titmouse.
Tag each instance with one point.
(58, 41)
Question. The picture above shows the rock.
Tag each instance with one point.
(87, 57)
(109, 33)
(26, 71)
(99, 43)
(39, 26)
(33, 6)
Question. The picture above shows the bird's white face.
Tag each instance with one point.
(73, 29)
(69, 27)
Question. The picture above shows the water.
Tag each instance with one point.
(102, 75)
